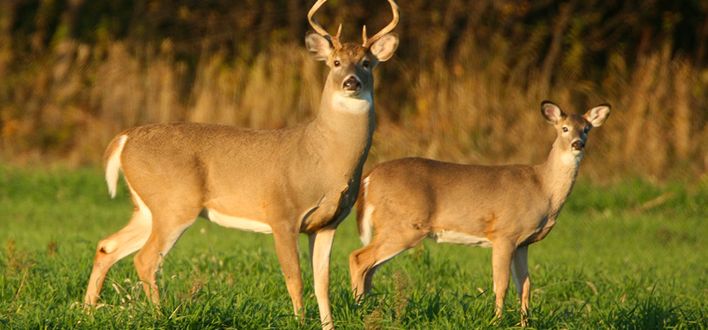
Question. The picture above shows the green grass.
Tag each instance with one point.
(615, 260)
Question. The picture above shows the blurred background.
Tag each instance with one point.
(465, 84)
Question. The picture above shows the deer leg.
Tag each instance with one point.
(502, 252)
(361, 263)
(320, 247)
(165, 233)
(520, 272)
(287, 249)
(364, 262)
(115, 247)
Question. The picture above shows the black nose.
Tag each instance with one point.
(578, 145)
(351, 84)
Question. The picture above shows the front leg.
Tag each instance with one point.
(287, 250)
(320, 247)
(520, 272)
(502, 252)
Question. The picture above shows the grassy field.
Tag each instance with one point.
(631, 255)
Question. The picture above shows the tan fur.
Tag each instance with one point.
(505, 207)
(302, 179)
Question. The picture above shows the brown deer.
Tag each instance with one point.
(503, 207)
(302, 179)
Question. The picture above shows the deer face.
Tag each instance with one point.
(572, 130)
(350, 64)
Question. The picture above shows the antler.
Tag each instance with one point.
(319, 29)
(385, 30)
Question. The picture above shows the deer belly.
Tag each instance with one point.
(453, 237)
(238, 223)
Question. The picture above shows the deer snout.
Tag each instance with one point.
(352, 83)
(578, 145)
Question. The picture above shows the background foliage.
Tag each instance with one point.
(465, 85)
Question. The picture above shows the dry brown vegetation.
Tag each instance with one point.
(465, 85)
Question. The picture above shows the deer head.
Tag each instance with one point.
(572, 130)
(351, 64)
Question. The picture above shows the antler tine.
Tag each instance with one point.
(315, 26)
(363, 35)
(339, 32)
(385, 30)
(319, 29)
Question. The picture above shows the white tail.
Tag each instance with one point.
(302, 179)
(502, 207)
(113, 164)
(364, 215)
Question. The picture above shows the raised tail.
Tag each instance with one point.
(364, 210)
(111, 159)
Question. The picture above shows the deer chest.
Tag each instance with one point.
(541, 232)
(332, 208)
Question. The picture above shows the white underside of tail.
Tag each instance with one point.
(366, 226)
(113, 166)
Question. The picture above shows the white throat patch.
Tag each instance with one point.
(358, 104)
(571, 158)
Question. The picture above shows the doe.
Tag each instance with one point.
(503, 207)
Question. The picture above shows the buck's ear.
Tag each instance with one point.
(551, 112)
(597, 115)
(384, 48)
(318, 46)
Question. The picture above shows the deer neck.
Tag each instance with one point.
(342, 131)
(558, 175)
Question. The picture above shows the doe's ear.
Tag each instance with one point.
(384, 47)
(551, 112)
(318, 46)
(597, 115)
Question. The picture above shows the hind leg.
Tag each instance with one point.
(115, 247)
(364, 262)
(166, 230)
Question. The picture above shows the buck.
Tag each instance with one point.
(303, 179)
(503, 207)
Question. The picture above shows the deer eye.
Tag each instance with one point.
(366, 64)
(565, 129)
(337, 63)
